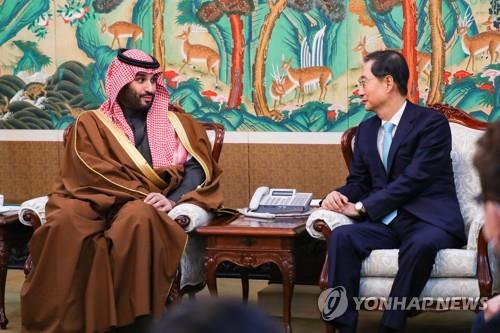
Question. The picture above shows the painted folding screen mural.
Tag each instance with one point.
(251, 65)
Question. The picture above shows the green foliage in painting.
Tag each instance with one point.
(74, 12)
(39, 26)
(142, 15)
(15, 15)
(32, 59)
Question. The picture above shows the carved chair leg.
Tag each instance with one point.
(175, 295)
(28, 265)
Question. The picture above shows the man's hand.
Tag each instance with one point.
(335, 201)
(159, 201)
(350, 211)
(492, 308)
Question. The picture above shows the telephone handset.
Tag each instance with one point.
(279, 200)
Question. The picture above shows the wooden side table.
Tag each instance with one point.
(249, 243)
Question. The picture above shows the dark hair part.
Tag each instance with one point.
(390, 62)
(487, 162)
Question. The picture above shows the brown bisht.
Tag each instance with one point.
(104, 257)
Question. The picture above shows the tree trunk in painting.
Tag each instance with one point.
(409, 47)
(259, 67)
(438, 53)
(236, 62)
(158, 31)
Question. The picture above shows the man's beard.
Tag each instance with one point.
(133, 102)
(143, 108)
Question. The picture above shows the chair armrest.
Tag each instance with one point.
(484, 275)
(32, 212)
(329, 221)
(189, 216)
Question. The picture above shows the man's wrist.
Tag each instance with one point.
(360, 208)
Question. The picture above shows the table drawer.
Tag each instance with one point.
(249, 242)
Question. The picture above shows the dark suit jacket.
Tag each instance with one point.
(420, 175)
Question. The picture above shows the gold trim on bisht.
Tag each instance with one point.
(181, 133)
(95, 171)
(130, 149)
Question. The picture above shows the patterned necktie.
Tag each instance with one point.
(386, 145)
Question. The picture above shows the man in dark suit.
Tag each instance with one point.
(400, 188)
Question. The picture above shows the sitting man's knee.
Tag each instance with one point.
(135, 208)
(341, 233)
(422, 246)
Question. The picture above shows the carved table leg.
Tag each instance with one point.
(4, 258)
(288, 273)
(244, 284)
(210, 269)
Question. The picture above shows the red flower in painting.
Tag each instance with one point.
(169, 74)
(209, 94)
(461, 74)
(331, 115)
(487, 87)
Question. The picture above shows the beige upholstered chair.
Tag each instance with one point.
(457, 272)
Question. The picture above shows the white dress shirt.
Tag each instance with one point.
(394, 120)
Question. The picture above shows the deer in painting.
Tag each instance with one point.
(482, 42)
(122, 29)
(488, 23)
(423, 58)
(361, 47)
(281, 85)
(198, 53)
(303, 76)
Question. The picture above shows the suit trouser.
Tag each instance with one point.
(418, 243)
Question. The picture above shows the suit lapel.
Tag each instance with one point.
(373, 128)
(404, 127)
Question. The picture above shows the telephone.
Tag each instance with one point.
(279, 200)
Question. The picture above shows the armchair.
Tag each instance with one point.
(188, 216)
(464, 273)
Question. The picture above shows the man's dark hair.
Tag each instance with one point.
(487, 162)
(390, 62)
(215, 316)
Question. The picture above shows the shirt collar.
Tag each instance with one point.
(397, 116)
